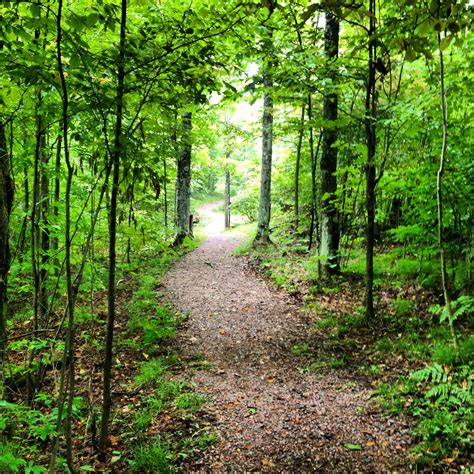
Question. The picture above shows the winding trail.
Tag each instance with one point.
(267, 415)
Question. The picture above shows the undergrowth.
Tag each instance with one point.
(144, 363)
(175, 400)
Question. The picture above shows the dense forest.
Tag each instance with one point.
(334, 140)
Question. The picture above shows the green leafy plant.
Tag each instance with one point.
(464, 305)
(444, 410)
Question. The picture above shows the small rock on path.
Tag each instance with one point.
(267, 415)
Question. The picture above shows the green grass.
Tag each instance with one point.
(151, 371)
(325, 363)
(300, 349)
(189, 402)
(155, 457)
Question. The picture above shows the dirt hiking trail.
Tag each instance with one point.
(268, 416)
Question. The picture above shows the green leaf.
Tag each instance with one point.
(87, 468)
(445, 42)
(354, 447)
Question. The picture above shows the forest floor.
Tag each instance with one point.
(268, 415)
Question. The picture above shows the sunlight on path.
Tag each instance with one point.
(212, 218)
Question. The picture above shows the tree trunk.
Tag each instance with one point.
(57, 191)
(264, 210)
(370, 133)
(439, 195)
(183, 181)
(314, 224)
(165, 191)
(6, 201)
(297, 168)
(44, 235)
(227, 199)
(69, 351)
(107, 374)
(26, 207)
(329, 246)
(35, 218)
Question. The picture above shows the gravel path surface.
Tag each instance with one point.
(267, 415)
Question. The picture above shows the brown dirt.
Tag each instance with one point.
(267, 415)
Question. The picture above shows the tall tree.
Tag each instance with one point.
(6, 201)
(116, 157)
(183, 180)
(371, 141)
(264, 209)
(297, 168)
(329, 245)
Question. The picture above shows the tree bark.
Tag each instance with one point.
(227, 199)
(370, 133)
(297, 168)
(107, 372)
(6, 201)
(57, 191)
(329, 245)
(264, 210)
(165, 191)
(439, 195)
(314, 224)
(183, 181)
(44, 235)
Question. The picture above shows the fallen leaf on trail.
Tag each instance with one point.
(266, 462)
(270, 379)
(355, 447)
(370, 443)
(448, 460)
(269, 338)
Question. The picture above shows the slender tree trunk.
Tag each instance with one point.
(370, 133)
(314, 224)
(69, 351)
(329, 246)
(107, 397)
(26, 208)
(57, 191)
(44, 235)
(264, 210)
(297, 168)
(165, 191)
(35, 234)
(439, 193)
(227, 198)
(6, 201)
(183, 182)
